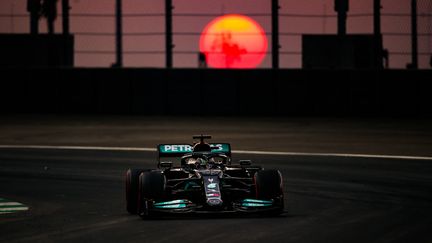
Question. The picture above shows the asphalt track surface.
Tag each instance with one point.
(78, 195)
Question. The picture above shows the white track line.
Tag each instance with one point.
(79, 148)
(380, 156)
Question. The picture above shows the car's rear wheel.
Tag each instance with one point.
(269, 186)
(132, 178)
(151, 188)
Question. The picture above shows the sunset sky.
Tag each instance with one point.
(187, 46)
(233, 41)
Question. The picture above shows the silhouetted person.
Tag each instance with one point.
(202, 60)
(34, 8)
(385, 56)
(49, 11)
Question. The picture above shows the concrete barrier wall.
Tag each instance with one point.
(41, 50)
(219, 92)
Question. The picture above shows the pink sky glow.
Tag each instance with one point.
(291, 44)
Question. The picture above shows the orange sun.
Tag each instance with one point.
(233, 41)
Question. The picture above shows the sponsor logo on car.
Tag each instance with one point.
(187, 148)
(211, 185)
(7, 206)
(177, 148)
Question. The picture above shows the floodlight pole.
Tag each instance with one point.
(379, 49)
(168, 34)
(275, 34)
(65, 14)
(341, 7)
(414, 43)
(34, 8)
(377, 17)
(119, 44)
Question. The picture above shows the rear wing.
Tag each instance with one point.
(178, 150)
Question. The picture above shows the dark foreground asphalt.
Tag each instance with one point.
(78, 196)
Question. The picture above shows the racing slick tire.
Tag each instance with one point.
(132, 177)
(151, 188)
(269, 186)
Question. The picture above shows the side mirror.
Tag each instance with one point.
(165, 164)
(245, 162)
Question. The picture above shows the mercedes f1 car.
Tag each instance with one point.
(206, 181)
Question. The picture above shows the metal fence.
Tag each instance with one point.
(93, 25)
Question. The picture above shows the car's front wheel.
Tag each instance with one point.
(151, 188)
(269, 186)
(131, 181)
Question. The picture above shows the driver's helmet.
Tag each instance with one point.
(202, 147)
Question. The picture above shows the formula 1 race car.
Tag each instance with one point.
(205, 182)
